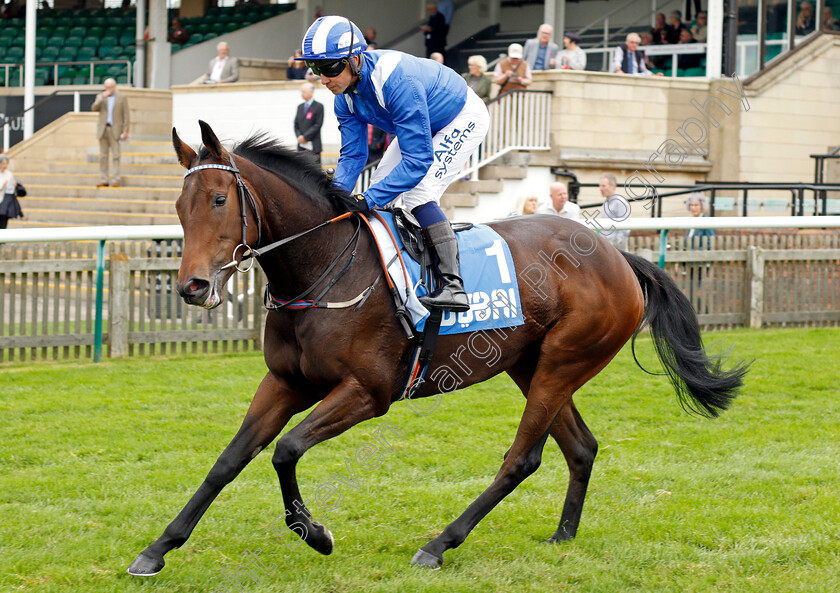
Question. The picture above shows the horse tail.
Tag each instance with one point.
(701, 383)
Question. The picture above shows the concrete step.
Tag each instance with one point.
(474, 186)
(64, 166)
(140, 158)
(40, 217)
(113, 193)
(502, 172)
(101, 204)
(452, 200)
(91, 178)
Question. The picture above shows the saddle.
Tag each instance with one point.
(411, 236)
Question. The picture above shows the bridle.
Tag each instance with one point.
(244, 196)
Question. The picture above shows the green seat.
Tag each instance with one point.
(66, 74)
(86, 54)
(67, 54)
(49, 54)
(109, 52)
(73, 42)
(695, 72)
(81, 79)
(77, 32)
(110, 40)
(112, 32)
(125, 39)
(41, 42)
(14, 54)
(95, 32)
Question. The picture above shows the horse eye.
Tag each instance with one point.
(219, 200)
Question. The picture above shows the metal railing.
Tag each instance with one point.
(794, 200)
(519, 120)
(56, 65)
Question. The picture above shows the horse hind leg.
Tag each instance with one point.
(522, 460)
(579, 447)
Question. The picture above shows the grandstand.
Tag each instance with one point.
(88, 46)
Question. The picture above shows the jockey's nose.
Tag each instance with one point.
(193, 290)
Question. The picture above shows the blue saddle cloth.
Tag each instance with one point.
(489, 279)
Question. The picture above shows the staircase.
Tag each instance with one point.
(64, 193)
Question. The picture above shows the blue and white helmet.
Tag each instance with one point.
(329, 38)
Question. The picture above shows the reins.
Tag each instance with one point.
(300, 301)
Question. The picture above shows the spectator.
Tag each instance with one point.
(830, 22)
(111, 129)
(525, 205)
(560, 204)
(660, 31)
(435, 31)
(9, 205)
(617, 208)
(437, 57)
(541, 52)
(370, 37)
(685, 61)
(675, 19)
(447, 9)
(698, 29)
(627, 58)
(308, 121)
(296, 69)
(573, 57)
(178, 34)
(377, 143)
(513, 72)
(476, 78)
(223, 68)
(647, 39)
(698, 205)
(805, 18)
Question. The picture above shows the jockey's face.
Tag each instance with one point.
(338, 84)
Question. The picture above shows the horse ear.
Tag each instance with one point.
(211, 143)
(186, 155)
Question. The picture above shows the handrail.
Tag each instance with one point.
(33, 106)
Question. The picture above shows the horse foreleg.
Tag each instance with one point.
(345, 406)
(579, 447)
(522, 460)
(270, 410)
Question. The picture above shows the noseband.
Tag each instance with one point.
(244, 195)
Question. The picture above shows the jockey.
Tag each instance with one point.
(438, 122)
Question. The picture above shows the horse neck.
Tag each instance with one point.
(293, 267)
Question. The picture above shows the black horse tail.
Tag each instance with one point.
(701, 383)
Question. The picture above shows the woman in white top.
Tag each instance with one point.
(9, 205)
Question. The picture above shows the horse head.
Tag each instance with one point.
(216, 221)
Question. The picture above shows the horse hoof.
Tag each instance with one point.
(146, 566)
(426, 560)
(324, 542)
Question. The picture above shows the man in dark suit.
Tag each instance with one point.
(308, 121)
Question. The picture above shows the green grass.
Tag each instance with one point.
(97, 459)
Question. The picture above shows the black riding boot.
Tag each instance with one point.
(449, 288)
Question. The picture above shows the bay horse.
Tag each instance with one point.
(351, 364)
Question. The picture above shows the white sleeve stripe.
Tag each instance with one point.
(383, 70)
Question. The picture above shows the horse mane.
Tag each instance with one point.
(295, 167)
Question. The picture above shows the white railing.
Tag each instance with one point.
(519, 120)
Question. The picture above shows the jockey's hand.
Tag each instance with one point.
(359, 203)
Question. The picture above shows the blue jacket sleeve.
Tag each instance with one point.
(354, 149)
(406, 101)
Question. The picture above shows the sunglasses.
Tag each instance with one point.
(330, 69)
